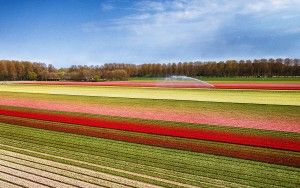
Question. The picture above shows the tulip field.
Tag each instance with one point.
(149, 134)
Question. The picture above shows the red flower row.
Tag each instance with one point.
(163, 141)
(181, 132)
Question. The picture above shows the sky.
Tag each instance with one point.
(94, 32)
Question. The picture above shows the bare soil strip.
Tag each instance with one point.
(8, 185)
(108, 168)
(72, 171)
(206, 181)
(51, 179)
(20, 181)
(32, 174)
(95, 179)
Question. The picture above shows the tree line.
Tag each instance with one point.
(24, 70)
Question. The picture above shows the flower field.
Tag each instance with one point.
(179, 84)
(138, 134)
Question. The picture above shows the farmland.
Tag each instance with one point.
(61, 134)
(149, 94)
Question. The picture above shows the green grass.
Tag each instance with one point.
(232, 96)
(158, 162)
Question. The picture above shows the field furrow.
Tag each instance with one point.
(50, 179)
(84, 163)
(7, 184)
(71, 171)
(22, 179)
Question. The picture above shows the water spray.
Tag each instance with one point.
(187, 79)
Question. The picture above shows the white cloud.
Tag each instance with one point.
(106, 7)
(179, 25)
(191, 11)
(266, 6)
(150, 6)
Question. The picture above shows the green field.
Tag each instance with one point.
(161, 164)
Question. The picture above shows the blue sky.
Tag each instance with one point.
(67, 32)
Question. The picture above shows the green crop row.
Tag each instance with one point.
(271, 171)
(113, 150)
(126, 166)
(158, 172)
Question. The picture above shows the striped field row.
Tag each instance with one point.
(202, 172)
(58, 174)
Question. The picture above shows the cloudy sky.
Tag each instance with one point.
(67, 32)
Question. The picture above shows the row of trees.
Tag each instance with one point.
(24, 70)
(230, 68)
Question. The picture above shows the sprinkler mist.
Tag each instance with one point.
(185, 81)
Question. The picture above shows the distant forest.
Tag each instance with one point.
(24, 70)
